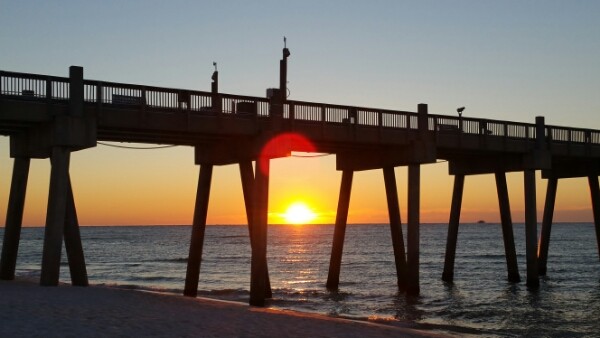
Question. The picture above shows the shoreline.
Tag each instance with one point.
(444, 223)
(32, 310)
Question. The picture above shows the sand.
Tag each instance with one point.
(29, 310)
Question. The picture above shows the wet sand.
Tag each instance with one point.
(29, 310)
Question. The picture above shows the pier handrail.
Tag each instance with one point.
(27, 86)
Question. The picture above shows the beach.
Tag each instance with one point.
(29, 310)
(152, 259)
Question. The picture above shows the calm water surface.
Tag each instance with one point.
(479, 302)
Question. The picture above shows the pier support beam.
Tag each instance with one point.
(531, 229)
(544, 242)
(457, 193)
(258, 268)
(14, 218)
(247, 176)
(507, 229)
(414, 196)
(198, 230)
(595, 192)
(333, 279)
(56, 215)
(73, 245)
(395, 225)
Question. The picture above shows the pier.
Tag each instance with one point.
(49, 117)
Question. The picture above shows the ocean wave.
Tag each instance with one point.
(138, 287)
(170, 260)
(288, 294)
(145, 279)
(234, 236)
(28, 274)
(227, 293)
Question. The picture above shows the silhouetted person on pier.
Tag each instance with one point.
(184, 100)
(460, 122)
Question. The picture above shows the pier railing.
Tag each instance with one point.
(24, 86)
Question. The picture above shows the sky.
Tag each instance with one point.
(508, 60)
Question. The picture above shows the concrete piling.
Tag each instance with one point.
(507, 228)
(14, 218)
(544, 242)
(247, 177)
(55, 217)
(595, 192)
(453, 224)
(395, 226)
(413, 231)
(73, 245)
(333, 278)
(258, 268)
(531, 229)
(198, 230)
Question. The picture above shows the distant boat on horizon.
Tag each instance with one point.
(481, 221)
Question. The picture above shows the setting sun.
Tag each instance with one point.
(299, 213)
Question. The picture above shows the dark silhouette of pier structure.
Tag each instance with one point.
(50, 117)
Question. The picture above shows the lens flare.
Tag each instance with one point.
(282, 145)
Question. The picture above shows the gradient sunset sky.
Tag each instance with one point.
(509, 60)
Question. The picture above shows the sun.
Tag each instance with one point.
(299, 213)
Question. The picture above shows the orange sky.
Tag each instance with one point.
(139, 187)
(502, 60)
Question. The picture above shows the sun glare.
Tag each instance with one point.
(299, 213)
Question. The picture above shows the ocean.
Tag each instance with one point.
(480, 301)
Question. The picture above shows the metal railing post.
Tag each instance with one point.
(540, 137)
(99, 94)
(48, 89)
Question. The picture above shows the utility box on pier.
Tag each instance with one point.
(273, 93)
(246, 109)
